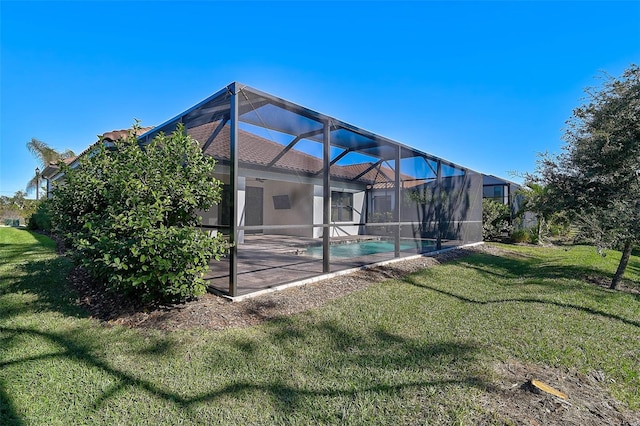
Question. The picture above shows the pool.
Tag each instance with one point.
(356, 249)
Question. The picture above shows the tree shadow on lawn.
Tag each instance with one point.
(61, 287)
(512, 265)
(15, 253)
(8, 413)
(46, 279)
(343, 366)
(303, 379)
(77, 347)
(535, 269)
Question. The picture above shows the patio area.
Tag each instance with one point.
(270, 261)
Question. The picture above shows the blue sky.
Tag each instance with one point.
(484, 84)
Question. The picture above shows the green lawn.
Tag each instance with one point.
(409, 351)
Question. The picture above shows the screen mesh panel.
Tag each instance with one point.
(376, 201)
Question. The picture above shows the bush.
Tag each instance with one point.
(521, 236)
(129, 215)
(495, 219)
(527, 236)
(41, 218)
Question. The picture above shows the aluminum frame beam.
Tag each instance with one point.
(233, 234)
(373, 166)
(215, 133)
(326, 199)
(292, 144)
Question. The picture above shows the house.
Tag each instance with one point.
(306, 195)
(52, 173)
(510, 194)
(503, 191)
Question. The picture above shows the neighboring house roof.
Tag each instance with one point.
(114, 135)
(495, 180)
(53, 168)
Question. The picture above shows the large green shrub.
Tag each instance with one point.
(495, 219)
(129, 213)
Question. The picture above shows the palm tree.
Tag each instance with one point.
(46, 155)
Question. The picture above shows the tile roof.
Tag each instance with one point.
(114, 135)
(52, 168)
(259, 151)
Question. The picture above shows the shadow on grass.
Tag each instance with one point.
(47, 279)
(518, 265)
(505, 267)
(17, 251)
(542, 271)
(31, 269)
(354, 353)
(8, 414)
(352, 357)
(634, 267)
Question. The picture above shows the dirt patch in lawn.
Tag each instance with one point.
(605, 282)
(513, 399)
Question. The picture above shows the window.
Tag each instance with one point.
(494, 192)
(341, 206)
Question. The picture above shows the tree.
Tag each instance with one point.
(8, 210)
(16, 208)
(129, 214)
(438, 205)
(536, 200)
(496, 218)
(597, 177)
(45, 155)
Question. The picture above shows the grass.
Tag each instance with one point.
(417, 350)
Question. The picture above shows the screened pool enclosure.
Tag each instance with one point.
(305, 194)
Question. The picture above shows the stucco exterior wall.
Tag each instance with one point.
(301, 212)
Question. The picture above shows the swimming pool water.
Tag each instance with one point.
(361, 248)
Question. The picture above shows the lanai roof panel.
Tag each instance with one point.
(270, 112)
